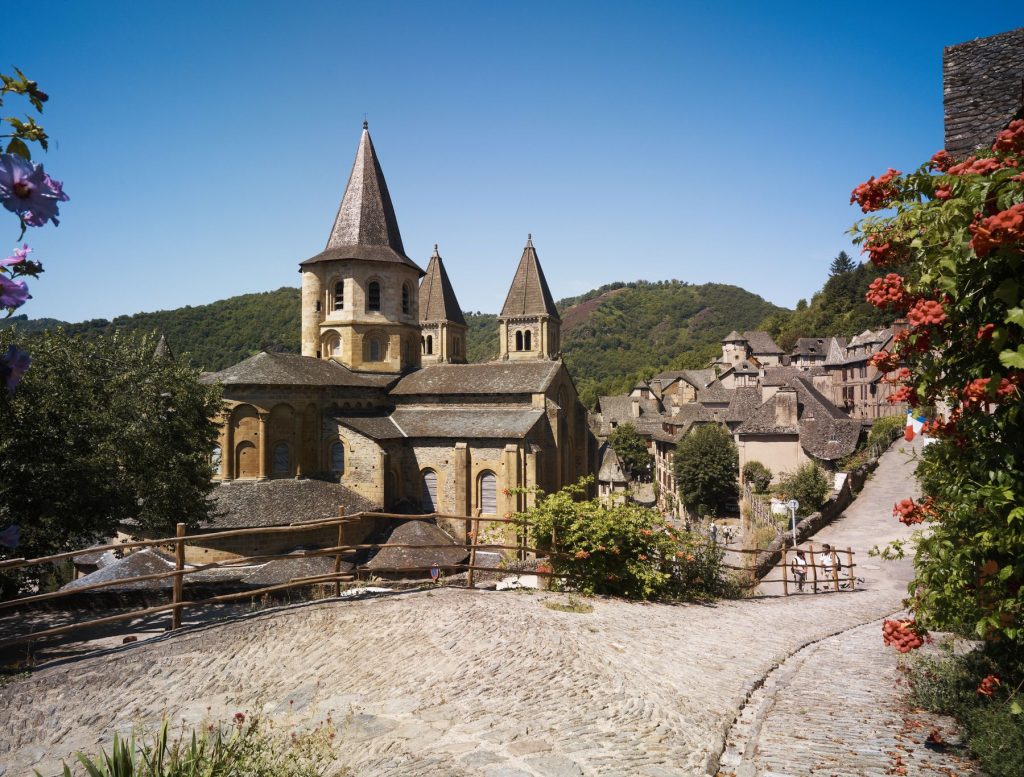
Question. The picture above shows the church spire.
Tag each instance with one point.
(529, 294)
(442, 326)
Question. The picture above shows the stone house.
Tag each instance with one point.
(855, 384)
(381, 409)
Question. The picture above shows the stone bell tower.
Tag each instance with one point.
(442, 325)
(529, 320)
(360, 295)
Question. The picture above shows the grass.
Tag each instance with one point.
(573, 604)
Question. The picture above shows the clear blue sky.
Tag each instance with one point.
(205, 145)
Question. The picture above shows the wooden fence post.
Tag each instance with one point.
(785, 574)
(337, 557)
(814, 567)
(853, 577)
(179, 565)
(470, 581)
(835, 568)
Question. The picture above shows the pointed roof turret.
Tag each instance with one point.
(734, 337)
(437, 297)
(365, 227)
(162, 350)
(529, 294)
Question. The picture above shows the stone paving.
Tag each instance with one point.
(455, 682)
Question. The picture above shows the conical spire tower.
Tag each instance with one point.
(443, 327)
(530, 324)
(359, 295)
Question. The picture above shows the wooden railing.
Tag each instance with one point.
(846, 581)
(178, 603)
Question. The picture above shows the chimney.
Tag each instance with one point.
(636, 407)
(785, 407)
(899, 325)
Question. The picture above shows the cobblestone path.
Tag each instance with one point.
(454, 682)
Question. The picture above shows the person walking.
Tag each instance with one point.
(828, 561)
(714, 532)
(798, 566)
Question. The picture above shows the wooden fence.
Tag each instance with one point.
(831, 581)
(178, 603)
(759, 509)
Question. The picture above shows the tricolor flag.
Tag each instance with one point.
(914, 424)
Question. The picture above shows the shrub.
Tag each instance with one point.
(757, 475)
(810, 486)
(623, 549)
(887, 429)
(959, 685)
(707, 466)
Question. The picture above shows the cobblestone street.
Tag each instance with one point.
(455, 682)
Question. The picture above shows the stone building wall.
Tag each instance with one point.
(983, 89)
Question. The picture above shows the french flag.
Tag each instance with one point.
(914, 425)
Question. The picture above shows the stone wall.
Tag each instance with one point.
(983, 89)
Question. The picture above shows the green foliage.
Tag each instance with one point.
(757, 475)
(993, 726)
(481, 337)
(623, 549)
(100, 431)
(954, 244)
(841, 265)
(248, 750)
(885, 430)
(631, 449)
(839, 309)
(706, 467)
(810, 485)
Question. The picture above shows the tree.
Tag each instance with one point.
(102, 430)
(631, 449)
(706, 465)
(841, 265)
(757, 475)
(810, 485)
(952, 250)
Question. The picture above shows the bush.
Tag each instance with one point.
(887, 429)
(757, 475)
(707, 466)
(810, 486)
(992, 725)
(631, 449)
(241, 749)
(623, 549)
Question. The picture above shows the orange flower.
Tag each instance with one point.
(988, 686)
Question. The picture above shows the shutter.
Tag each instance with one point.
(429, 498)
(488, 494)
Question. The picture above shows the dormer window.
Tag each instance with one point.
(339, 295)
(373, 296)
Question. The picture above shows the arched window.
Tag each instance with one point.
(430, 344)
(519, 340)
(406, 307)
(373, 296)
(282, 459)
(215, 459)
(488, 490)
(336, 347)
(456, 346)
(338, 459)
(376, 349)
(527, 337)
(339, 295)
(428, 496)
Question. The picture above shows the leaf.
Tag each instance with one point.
(1009, 292)
(1013, 359)
(1015, 708)
(17, 146)
(1015, 316)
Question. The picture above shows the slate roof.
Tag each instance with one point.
(498, 377)
(437, 297)
(288, 369)
(825, 431)
(611, 470)
(836, 352)
(97, 558)
(445, 421)
(529, 294)
(417, 533)
(249, 503)
(143, 562)
(780, 376)
(365, 227)
(714, 393)
(742, 404)
(282, 570)
(734, 337)
(811, 346)
(761, 343)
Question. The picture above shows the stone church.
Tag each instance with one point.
(381, 410)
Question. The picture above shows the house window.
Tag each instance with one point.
(373, 296)
(488, 490)
(338, 459)
(526, 341)
(428, 497)
(405, 298)
(339, 295)
(519, 341)
(282, 459)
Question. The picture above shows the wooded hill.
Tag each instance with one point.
(611, 336)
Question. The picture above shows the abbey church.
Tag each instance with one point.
(381, 410)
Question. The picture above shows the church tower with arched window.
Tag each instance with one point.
(360, 294)
(529, 320)
(442, 326)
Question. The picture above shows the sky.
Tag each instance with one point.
(205, 146)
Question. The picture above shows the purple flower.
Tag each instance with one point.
(19, 256)
(27, 190)
(12, 293)
(13, 365)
